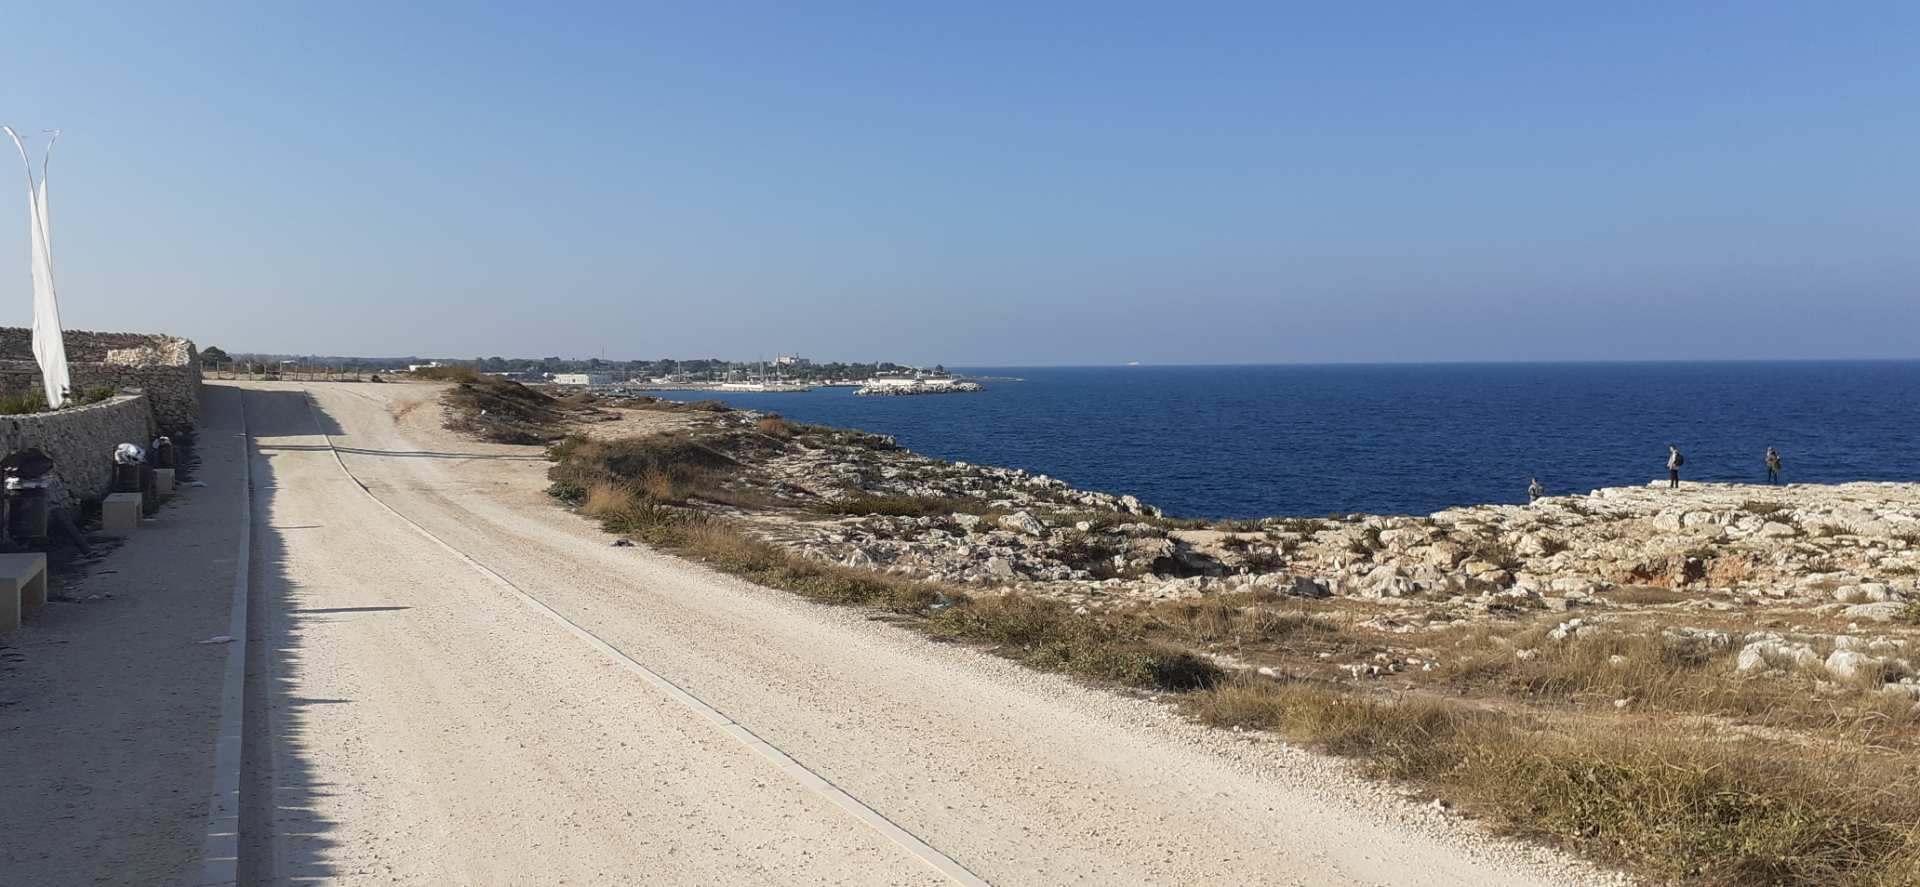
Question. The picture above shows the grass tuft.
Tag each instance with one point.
(1046, 634)
(1701, 812)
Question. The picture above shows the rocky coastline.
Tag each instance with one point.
(1818, 578)
(1692, 682)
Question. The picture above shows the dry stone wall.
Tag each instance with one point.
(81, 440)
(165, 368)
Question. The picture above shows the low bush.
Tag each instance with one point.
(1498, 554)
(775, 427)
(1263, 560)
(1086, 551)
(1304, 526)
(501, 410)
(1366, 543)
(93, 394)
(668, 468)
(449, 374)
(32, 400)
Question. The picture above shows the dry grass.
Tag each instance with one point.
(775, 427)
(605, 499)
(1652, 672)
(1646, 595)
(1227, 622)
(1046, 634)
(1701, 812)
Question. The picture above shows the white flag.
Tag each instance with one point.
(49, 349)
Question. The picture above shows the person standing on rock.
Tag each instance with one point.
(1535, 491)
(1773, 465)
(1674, 461)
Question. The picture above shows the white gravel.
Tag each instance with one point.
(467, 739)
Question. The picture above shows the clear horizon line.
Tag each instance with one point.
(1146, 364)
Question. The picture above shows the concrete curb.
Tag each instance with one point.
(220, 856)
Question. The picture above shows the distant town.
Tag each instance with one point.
(787, 372)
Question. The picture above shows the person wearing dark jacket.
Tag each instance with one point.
(1773, 465)
(1674, 461)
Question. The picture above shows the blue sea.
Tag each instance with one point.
(1253, 441)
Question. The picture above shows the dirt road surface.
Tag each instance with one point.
(455, 682)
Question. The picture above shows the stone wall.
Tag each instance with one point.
(81, 440)
(166, 368)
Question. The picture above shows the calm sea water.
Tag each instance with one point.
(1310, 440)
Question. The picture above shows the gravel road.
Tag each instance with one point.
(419, 718)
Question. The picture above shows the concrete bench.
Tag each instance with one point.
(163, 481)
(23, 587)
(120, 514)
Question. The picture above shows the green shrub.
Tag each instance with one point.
(93, 394)
(33, 400)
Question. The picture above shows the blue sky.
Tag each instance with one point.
(979, 183)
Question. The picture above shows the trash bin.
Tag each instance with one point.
(27, 508)
(29, 482)
(161, 455)
(129, 464)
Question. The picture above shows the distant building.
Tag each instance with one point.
(791, 360)
(416, 367)
(582, 379)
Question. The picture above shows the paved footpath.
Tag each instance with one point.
(109, 707)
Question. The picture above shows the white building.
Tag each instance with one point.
(582, 379)
(791, 360)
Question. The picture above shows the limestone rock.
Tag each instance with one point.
(1848, 665)
(1023, 523)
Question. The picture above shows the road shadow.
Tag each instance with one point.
(284, 837)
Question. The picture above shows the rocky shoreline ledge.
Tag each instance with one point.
(1787, 574)
(1824, 570)
(1709, 685)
